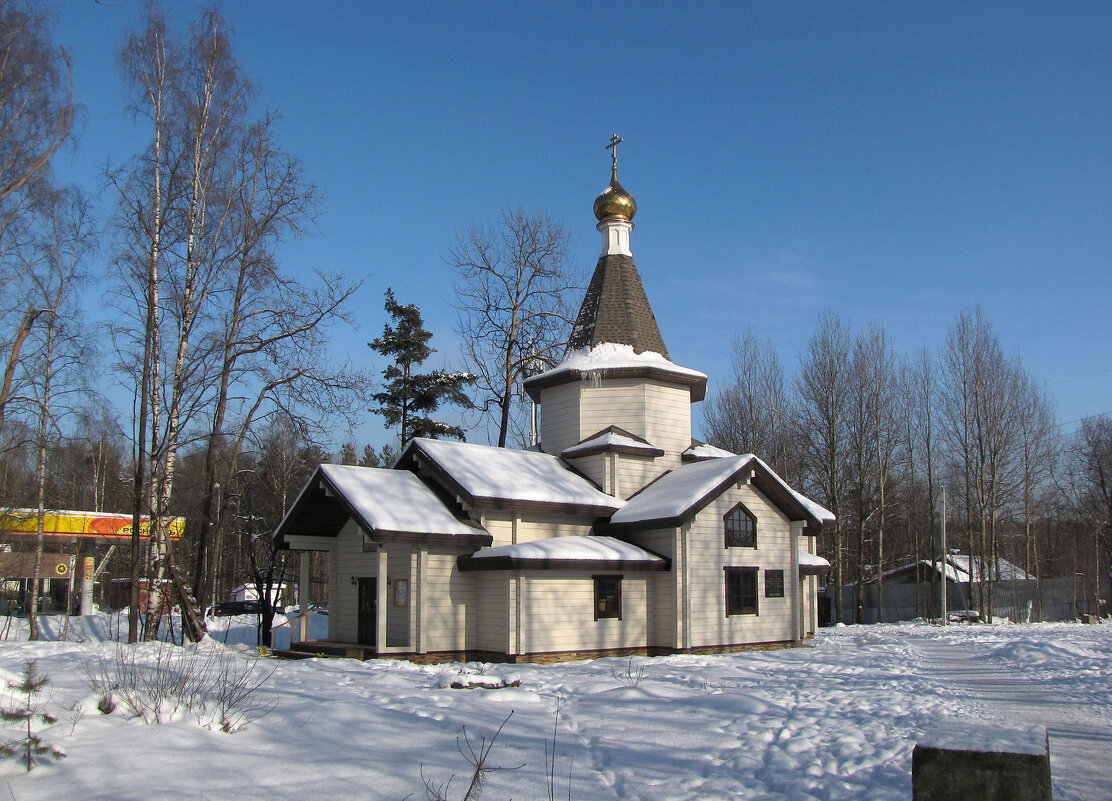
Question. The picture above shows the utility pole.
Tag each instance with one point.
(942, 562)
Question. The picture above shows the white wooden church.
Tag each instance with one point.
(619, 534)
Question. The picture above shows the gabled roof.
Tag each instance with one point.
(387, 504)
(565, 553)
(678, 496)
(486, 476)
(615, 309)
(613, 440)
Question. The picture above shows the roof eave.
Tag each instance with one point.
(696, 384)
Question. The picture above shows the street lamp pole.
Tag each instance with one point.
(942, 563)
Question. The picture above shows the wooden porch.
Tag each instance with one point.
(327, 649)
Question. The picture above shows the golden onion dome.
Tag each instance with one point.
(615, 201)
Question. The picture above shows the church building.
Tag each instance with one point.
(619, 534)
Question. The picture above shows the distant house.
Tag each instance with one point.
(912, 590)
(618, 534)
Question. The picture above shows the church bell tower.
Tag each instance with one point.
(617, 408)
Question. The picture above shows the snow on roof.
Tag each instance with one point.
(611, 356)
(820, 512)
(672, 494)
(393, 500)
(705, 451)
(1008, 571)
(811, 559)
(587, 549)
(484, 471)
(611, 440)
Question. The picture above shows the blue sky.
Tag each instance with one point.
(894, 162)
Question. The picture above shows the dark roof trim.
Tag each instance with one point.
(697, 385)
(480, 538)
(467, 564)
(814, 570)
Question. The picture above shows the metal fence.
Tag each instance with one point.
(1062, 599)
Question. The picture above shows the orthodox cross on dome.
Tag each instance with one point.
(613, 148)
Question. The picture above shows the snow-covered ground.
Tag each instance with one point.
(834, 721)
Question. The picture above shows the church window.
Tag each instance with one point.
(774, 584)
(741, 528)
(608, 597)
(741, 591)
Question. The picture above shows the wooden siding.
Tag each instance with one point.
(398, 557)
(559, 418)
(559, 614)
(776, 620)
(595, 467)
(492, 591)
(449, 621)
(347, 559)
(662, 587)
(657, 411)
(500, 526)
(634, 472)
(534, 527)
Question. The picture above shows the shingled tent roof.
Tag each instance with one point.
(616, 309)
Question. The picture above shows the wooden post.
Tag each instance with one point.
(305, 567)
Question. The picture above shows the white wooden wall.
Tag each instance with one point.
(347, 560)
(707, 555)
(558, 614)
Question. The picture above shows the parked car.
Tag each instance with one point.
(229, 608)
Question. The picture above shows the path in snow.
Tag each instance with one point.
(1080, 740)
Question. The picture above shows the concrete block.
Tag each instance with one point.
(978, 761)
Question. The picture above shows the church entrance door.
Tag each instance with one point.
(368, 612)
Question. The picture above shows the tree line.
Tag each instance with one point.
(877, 436)
(222, 351)
(233, 394)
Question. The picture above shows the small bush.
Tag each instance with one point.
(196, 682)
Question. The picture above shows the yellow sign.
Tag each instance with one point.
(61, 568)
(82, 524)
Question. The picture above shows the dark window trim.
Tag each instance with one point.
(741, 610)
(725, 526)
(768, 591)
(616, 613)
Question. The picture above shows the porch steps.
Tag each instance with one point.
(327, 650)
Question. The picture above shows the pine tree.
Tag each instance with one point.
(408, 396)
(30, 747)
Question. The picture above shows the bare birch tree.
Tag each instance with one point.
(58, 356)
(751, 413)
(513, 312)
(36, 96)
(823, 388)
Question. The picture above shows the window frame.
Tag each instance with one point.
(768, 593)
(742, 509)
(602, 594)
(736, 573)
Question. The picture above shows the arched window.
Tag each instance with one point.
(741, 528)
